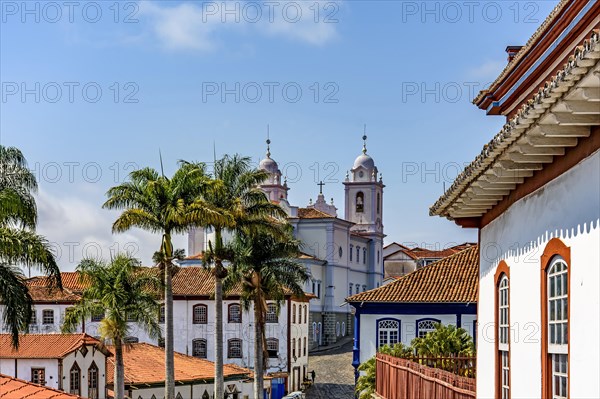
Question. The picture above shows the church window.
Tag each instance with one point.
(337, 329)
(388, 332)
(378, 203)
(351, 250)
(357, 254)
(343, 329)
(340, 252)
(350, 289)
(314, 331)
(357, 288)
(378, 257)
(364, 288)
(365, 256)
(360, 202)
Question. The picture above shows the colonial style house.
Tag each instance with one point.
(343, 255)
(144, 366)
(73, 363)
(399, 260)
(11, 388)
(534, 195)
(442, 292)
(287, 332)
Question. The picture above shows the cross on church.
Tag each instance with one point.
(321, 184)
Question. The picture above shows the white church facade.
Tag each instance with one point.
(344, 255)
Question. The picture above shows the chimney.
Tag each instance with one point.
(512, 51)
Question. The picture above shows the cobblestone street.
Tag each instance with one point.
(334, 374)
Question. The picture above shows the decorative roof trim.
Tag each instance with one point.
(517, 126)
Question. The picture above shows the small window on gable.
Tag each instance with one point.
(360, 202)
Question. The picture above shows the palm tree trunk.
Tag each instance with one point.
(119, 378)
(258, 351)
(169, 350)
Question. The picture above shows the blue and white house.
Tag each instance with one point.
(442, 292)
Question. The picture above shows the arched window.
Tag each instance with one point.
(364, 288)
(93, 381)
(161, 314)
(293, 347)
(357, 288)
(360, 202)
(75, 380)
(234, 313)
(199, 348)
(234, 348)
(365, 256)
(350, 287)
(388, 332)
(502, 341)
(351, 252)
(378, 203)
(357, 254)
(343, 328)
(555, 272)
(293, 314)
(305, 347)
(337, 329)
(200, 314)
(314, 331)
(378, 257)
(273, 347)
(425, 326)
(305, 314)
(272, 316)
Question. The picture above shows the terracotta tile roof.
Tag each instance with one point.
(45, 346)
(311, 213)
(43, 294)
(14, 388)
(70, 280)
(584, 59)
(145, 364)
(538, 34)
(188, 281)
(450, 280)
(420, 253)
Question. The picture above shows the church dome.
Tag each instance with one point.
(269, 165)
(365, 161)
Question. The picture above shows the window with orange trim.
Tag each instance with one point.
(502, 319)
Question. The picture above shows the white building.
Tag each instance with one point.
(343, 255)
(534, 195)
(287, 333)
(74, 363)
(443, 292)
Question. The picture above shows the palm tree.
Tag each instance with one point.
(239, 195)
(19, 245)
(118, 290)
(158, 204)
(265, 266)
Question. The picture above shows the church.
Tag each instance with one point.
(344, 255)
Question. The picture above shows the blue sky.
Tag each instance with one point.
(91, 91)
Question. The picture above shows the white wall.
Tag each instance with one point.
(24, 366)
(84, 364)
(567, 208)
(408, 327)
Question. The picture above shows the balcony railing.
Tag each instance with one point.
(398, 378)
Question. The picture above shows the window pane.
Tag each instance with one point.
(552, 291)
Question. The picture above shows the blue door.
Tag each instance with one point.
(277, 388)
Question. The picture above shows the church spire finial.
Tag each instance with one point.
(364, 137)
(268, 143)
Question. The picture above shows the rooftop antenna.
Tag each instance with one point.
(364, 137)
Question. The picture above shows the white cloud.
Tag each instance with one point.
(78, 228)
(190, 26)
